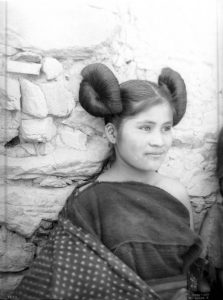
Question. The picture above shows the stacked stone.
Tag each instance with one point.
(48, 143)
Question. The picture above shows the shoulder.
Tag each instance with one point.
(82, 194)
(84, 200)
(84, 186)
(177, 189)
(174, 187)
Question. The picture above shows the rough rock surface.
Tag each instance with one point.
(9, 125)
(26, 206)
(37, 130)
(59, 99)
(15, 253)
(33, 100)
(9, 93)
(65, 162)
(52, 68)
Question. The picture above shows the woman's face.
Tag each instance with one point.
(143, 140)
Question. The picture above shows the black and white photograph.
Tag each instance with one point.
(111, 150)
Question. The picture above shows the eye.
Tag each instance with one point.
(167, 128)
(146, 128)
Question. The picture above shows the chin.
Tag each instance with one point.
(153, 167)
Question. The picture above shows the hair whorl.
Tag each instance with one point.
(172, 80)
(99, 92)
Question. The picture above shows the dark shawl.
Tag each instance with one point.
(143, 225)
(108, 239)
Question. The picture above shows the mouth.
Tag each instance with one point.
(155, 154)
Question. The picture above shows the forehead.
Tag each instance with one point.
(159, 113)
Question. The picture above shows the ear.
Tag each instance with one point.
(111, 132)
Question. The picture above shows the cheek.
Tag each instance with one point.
(130, 147)
(127, 139)
(169, 141)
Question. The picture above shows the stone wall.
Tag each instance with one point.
(48, 142)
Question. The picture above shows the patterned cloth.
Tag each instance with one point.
(115, 241)
(75, 265)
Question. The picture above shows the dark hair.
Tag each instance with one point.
(101, 95)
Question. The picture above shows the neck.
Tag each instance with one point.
(120, 171)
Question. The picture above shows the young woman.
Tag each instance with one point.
(127, 234)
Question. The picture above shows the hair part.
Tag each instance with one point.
(138, 95)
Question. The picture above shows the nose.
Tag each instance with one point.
(156, 139)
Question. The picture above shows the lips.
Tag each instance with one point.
(155, 156)
(155, 153)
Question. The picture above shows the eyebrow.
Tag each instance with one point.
(153, 123)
